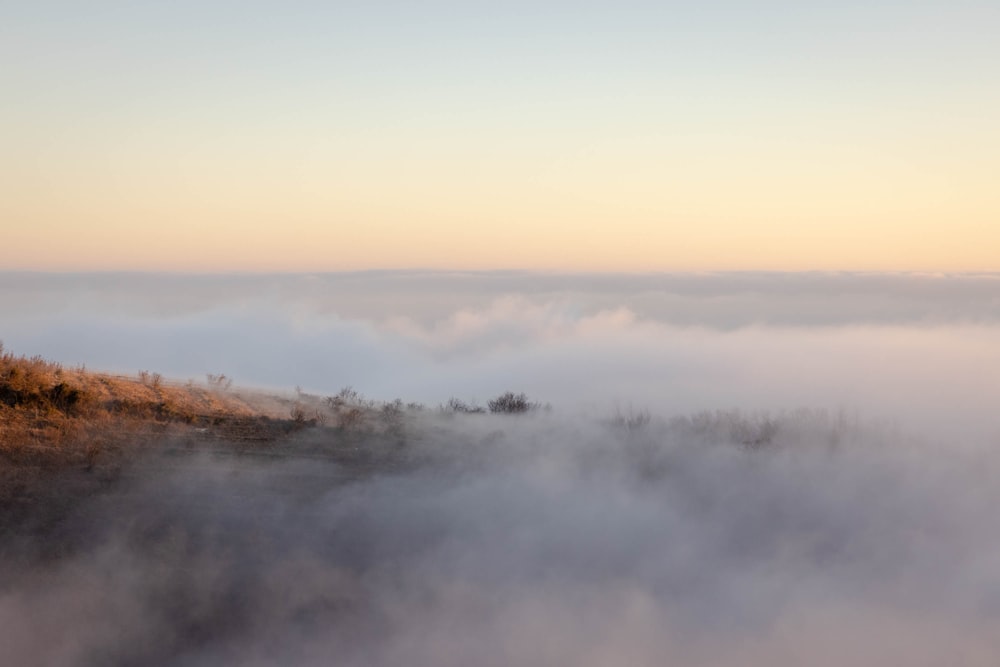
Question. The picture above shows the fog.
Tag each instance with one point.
(531, 540)
(816, 485)
(914, 348)
(919, 349)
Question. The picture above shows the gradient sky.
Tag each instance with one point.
(599, 136)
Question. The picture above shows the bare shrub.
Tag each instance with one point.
(393, 408)
(631, 421)
(733, 426)
(510, 403)
(458, 405)
(220, 382)
(351, 419)
(154, 380)
(350, 396)
(298, 414)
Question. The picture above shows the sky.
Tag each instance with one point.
(550, 136)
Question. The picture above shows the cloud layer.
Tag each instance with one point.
(911, 348)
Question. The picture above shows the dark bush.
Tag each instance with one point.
(458, 405)
(510, 403)
(66, 398)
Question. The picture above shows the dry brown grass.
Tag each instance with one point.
(51, 415)
(68, 435)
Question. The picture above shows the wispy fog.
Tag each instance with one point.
(919, 349)
(532, 540)
(817, 484)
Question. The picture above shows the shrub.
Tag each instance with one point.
(510, 403)
(458, 405)
(69, 399)
(632, 420)
(393, 409)
(221, 381)
(353, 418)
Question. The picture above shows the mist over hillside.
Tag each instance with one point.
(525, 540)
(899, 346)
(736, 469)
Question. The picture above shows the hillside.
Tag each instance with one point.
(67, 434)
(51, 415)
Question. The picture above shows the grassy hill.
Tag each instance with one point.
(67, 434)
(51, 415)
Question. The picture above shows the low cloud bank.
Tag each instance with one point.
(920, 349)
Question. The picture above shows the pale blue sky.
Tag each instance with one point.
(235, 52)
(829, 126)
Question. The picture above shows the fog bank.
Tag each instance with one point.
(919, 349)
(532, 540)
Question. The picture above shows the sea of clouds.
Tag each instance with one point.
(862, 530)
(921, 349)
